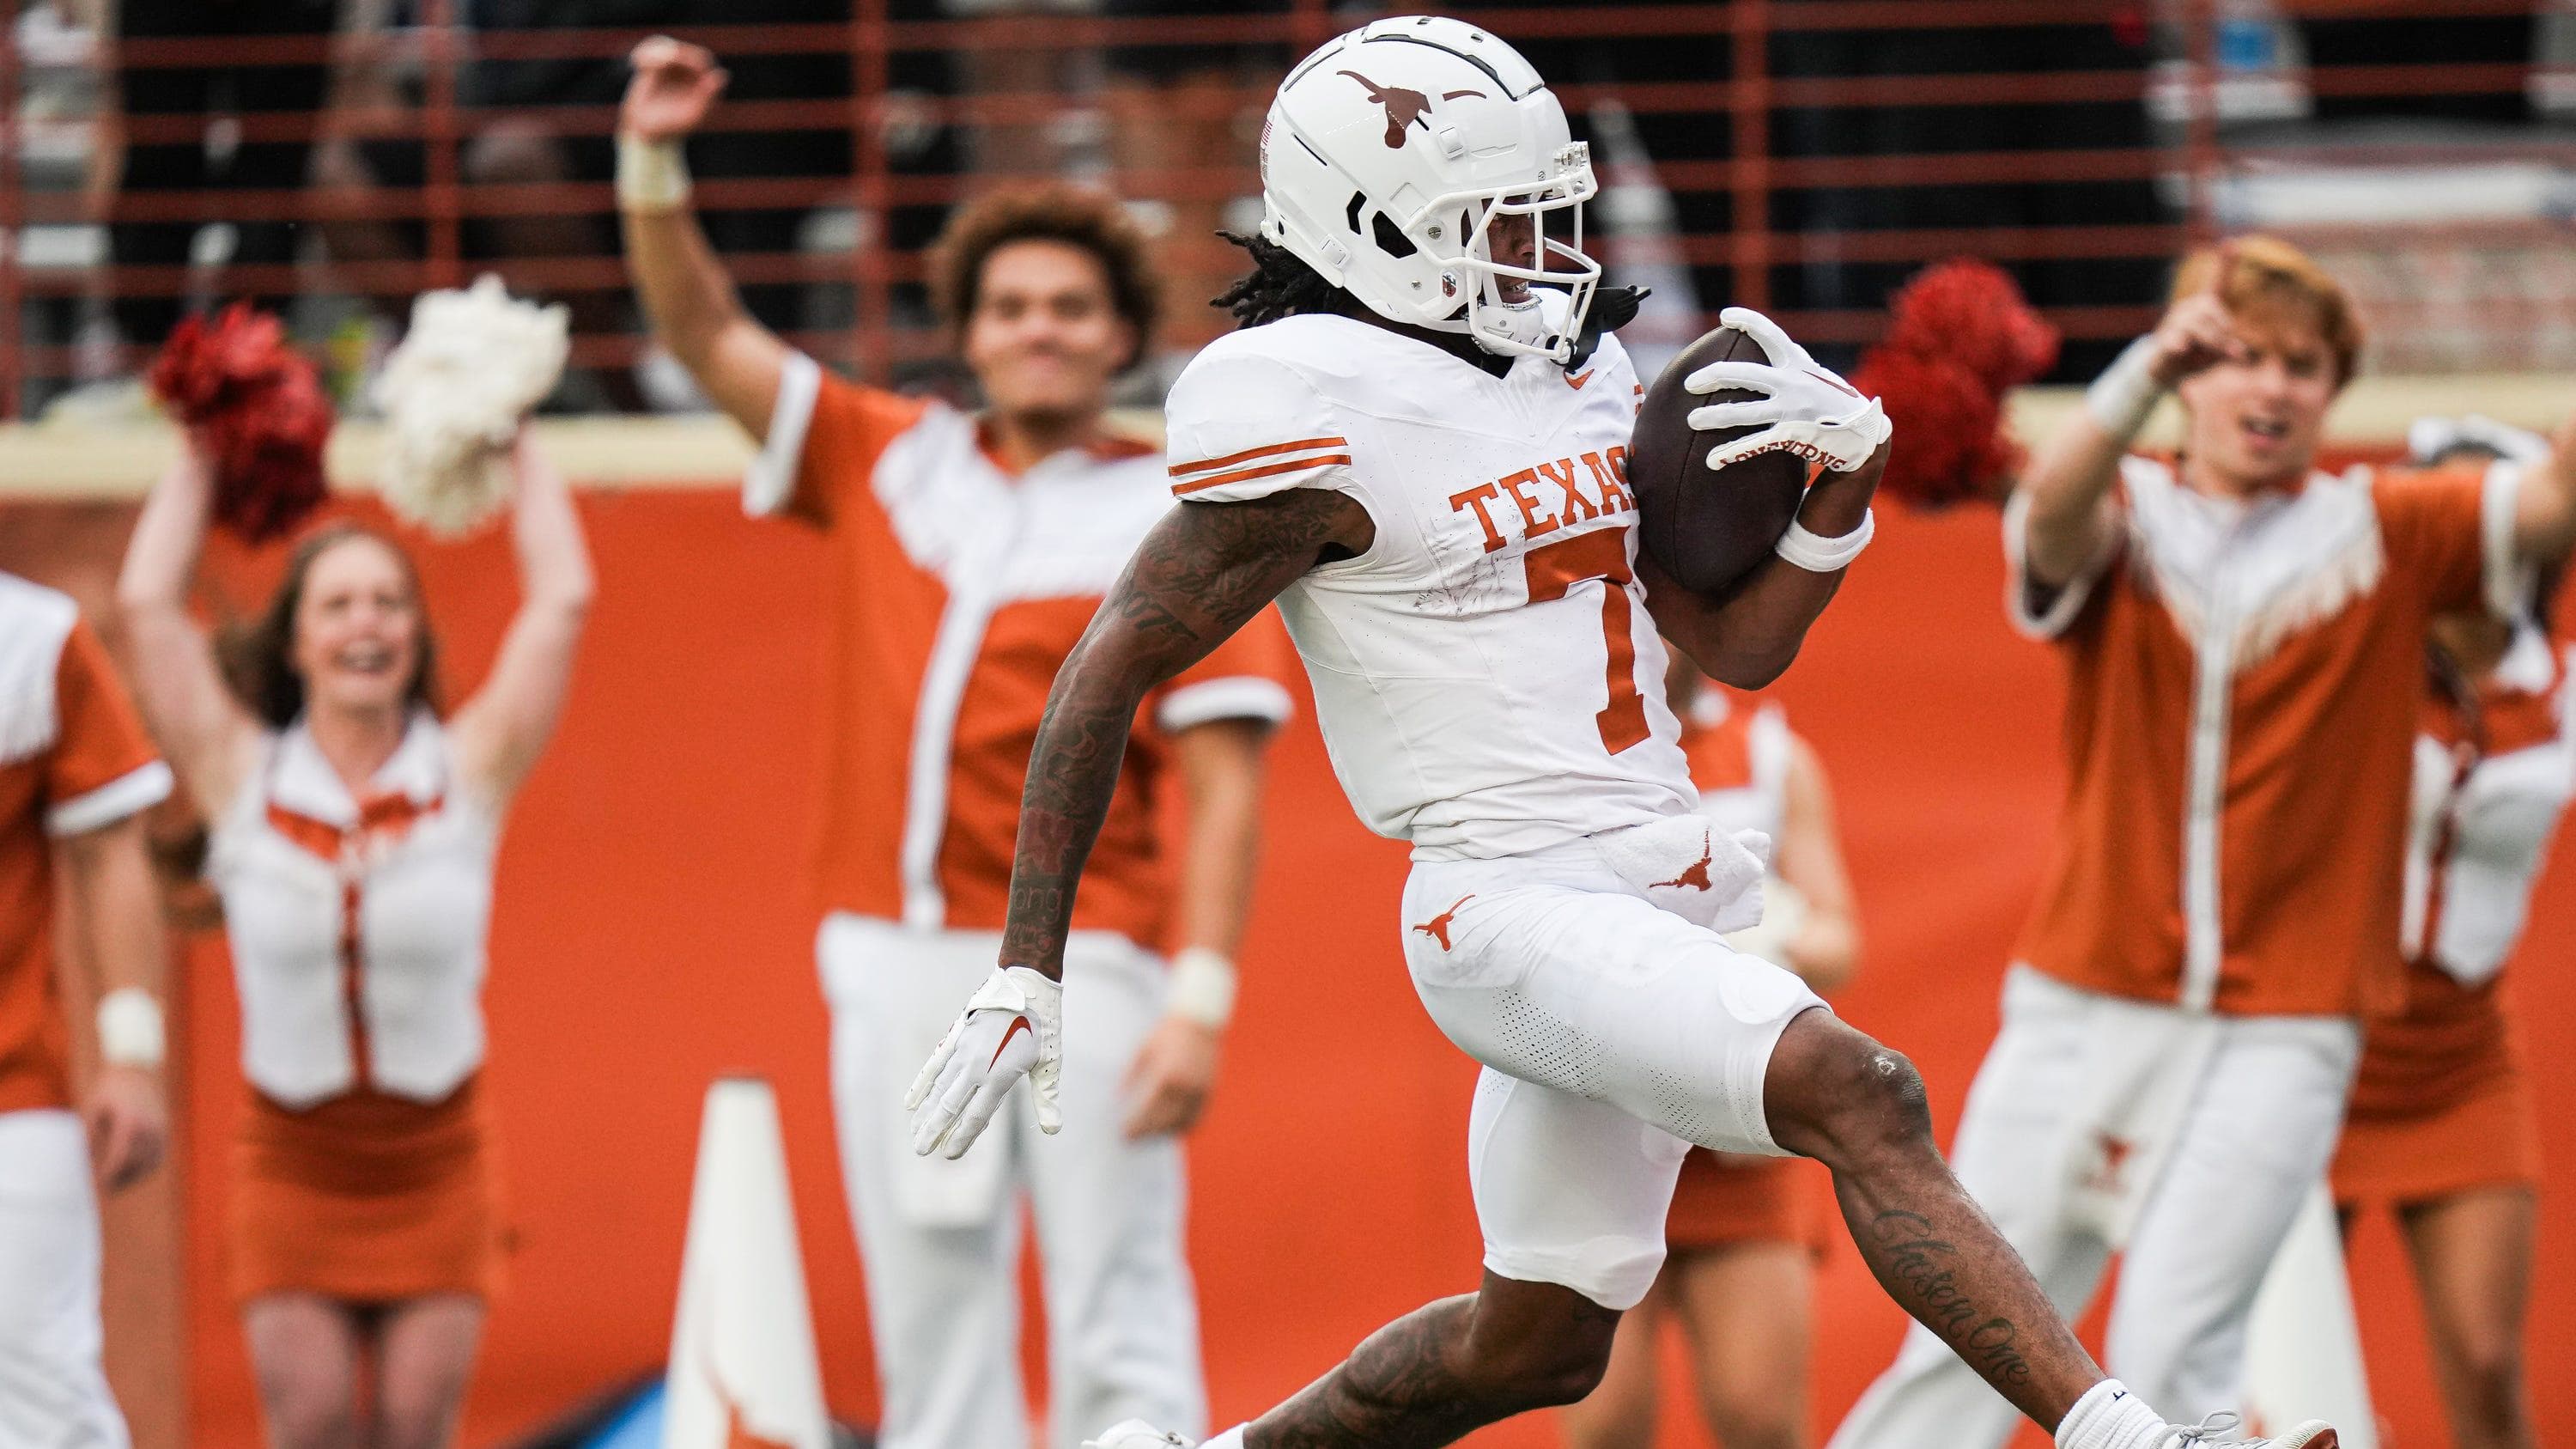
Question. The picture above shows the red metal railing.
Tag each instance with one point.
(1743, 94)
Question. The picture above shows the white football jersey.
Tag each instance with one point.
(1486, 676)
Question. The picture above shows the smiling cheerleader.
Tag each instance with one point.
(354, 828)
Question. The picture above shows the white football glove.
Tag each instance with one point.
(1012, 1027)
(1803, 409)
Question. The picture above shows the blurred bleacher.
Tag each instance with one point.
(335, 156)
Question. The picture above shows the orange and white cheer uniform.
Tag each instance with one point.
(960, 588)
(73, 758)
(1490, 688)
(1739, 757)
(363, 1171)
(2441, 1104)
(2221, 906)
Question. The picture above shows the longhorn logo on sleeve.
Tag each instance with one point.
(1403, 107)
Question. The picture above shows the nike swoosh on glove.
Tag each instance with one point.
(1012, 1027)
(1804, 409)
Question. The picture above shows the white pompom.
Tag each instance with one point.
(454, 394)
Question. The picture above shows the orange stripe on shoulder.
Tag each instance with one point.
(1301, 445)
(1245, 475)
(2519, 721)
(319, 838)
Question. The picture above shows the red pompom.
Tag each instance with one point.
(257, 411)
(1973, 313)
(1950, 446)
(1961, 337)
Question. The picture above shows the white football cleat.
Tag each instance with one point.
(1137, 1434)
(2314, 1434)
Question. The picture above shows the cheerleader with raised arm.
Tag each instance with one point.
(354, 825)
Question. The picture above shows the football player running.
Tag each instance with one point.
(1416, 445)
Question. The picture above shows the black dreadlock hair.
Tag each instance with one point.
(1279, 285)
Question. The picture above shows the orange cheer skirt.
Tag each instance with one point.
(366, 1198)
(1726, 1201)
(2440, 1104)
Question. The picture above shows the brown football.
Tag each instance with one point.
(1707, 528)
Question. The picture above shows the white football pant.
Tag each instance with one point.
(940, 1240)
(1614, 1034)
(2253, 1134)
(53, 1390)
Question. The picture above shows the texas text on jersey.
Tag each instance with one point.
(1486, 674)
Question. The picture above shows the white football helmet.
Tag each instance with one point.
(1386, 160)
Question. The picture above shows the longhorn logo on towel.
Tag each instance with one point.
(1696, 877)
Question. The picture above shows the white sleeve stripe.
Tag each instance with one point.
(770, 481)
(2070, 598)
(136, 789)
(2509, 578)
(1246, 696)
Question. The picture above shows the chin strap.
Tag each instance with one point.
(1612, 308)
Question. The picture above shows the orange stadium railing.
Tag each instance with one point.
(1734, 237)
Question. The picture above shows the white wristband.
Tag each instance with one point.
(2126, 394)
(1818, 554)
(130, 1032)
(651, 175)
(1201, 988)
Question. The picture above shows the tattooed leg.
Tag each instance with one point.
(1441, 1371)
(1833, 1094)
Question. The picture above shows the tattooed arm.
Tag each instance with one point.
(1747, 638)
(1203, 573)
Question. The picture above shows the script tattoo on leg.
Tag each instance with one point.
(1911, 1253)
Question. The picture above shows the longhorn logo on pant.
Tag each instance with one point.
(1437, 928)
(1403, 107)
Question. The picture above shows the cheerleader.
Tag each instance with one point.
(353, 832)
(2440, 1128)
(1744, 1233)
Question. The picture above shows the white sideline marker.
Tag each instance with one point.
(742, 1372)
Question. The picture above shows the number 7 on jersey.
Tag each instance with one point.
(1554, 570)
